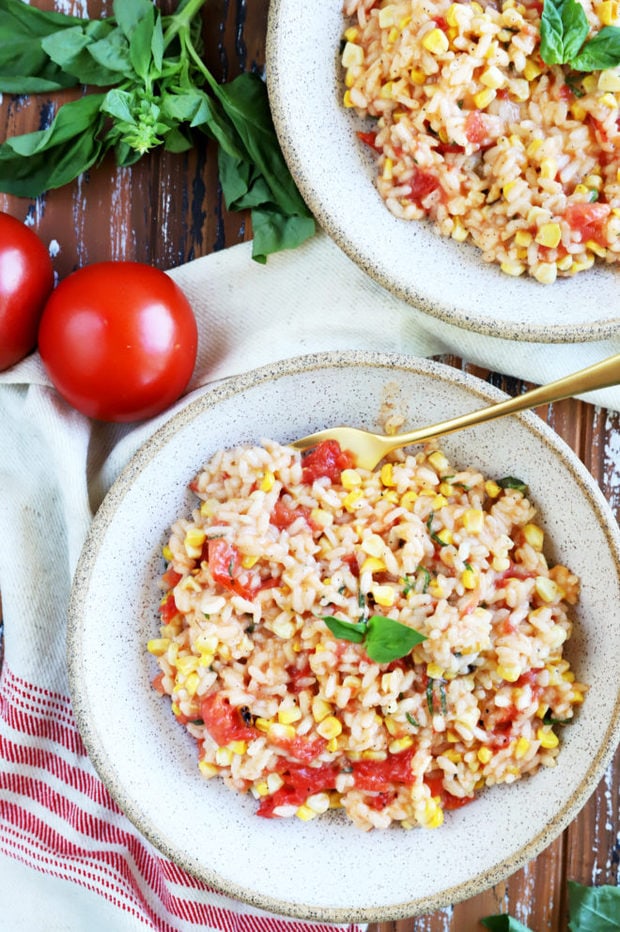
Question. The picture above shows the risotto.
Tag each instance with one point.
(388, 643)
(473, 130)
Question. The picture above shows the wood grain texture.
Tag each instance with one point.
(167, 210)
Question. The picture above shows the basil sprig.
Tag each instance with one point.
(591, 909)
(563, 31)
(384, 639)
(155, 91)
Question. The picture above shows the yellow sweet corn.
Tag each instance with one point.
(400, 744)
(547, 737)
(320, 709)
(608, 12)
(352, 55)
(436, 42)
(373, 545)
(534, 535)
(387, 475)
(330, 727)
(484, 97)
(383, 595)
(207, 769)
(290, 715)
(484, 755)
(194, 539)
(547, 589)
(158, 646)
(418, 77)
(372, 565)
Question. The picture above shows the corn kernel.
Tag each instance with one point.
(589, 83)
(372, 565)
(521, 747)
(547, 589)
(274, 782)
(484, 755)
(320, 709)
(435, 589)
(263, 724)
(609, 80)
(512, 267)
(238, 747)
(187, 663)
(444, 536)
(531, 70)
(279, 732)
(608, 12)
(473, 520)
(484, 97)
(194, 539)
(166, 553)
(509, 672)
(208, 508)
(417, 77)
(390, 495)
(492, 77)
(439, 461)
(576, 696)
(350, 479)
(404, 22)
(533, 147)
(545, 273)
(385, 91)
(492, 488)
(608, 100)
(383, 595)
(207, 769)
(548, 168)
(577, 110)
(260, 789)
(288, 716)
(596, 248)
(452, 15)
(352, 55)
(371, 754)
(388, 169)
(248, 561)
(534, 535)
(330, 727)
(373, 545)
(469, 578)
(318, 802)
(223, 757)
(434, 671)
(523, 238)
(353, 500)
(393, 35)
(547, 737)
(387, 475)
(459, 232)
(305, 813)
(351, 34)
(158, 646)
(407, 499)
(436, 42)
(346, 99)
(400, 744)
(433, 814)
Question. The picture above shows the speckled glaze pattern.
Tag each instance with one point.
(312, 870)
(442, 278)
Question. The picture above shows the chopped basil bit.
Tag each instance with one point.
(411, 720)
(196, 721)
(511, 482)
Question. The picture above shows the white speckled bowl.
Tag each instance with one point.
(327, 869)
(336, 178)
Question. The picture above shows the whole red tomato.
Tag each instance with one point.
(118, 340)
(26, 279)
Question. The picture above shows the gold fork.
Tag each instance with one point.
(370, 448)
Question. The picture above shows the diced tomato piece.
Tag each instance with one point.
(170, 578)
(224, 722)
(369, 139)
(421, 185)
(475, 128)
(381, 775)
(158, 684)
(168, 609)
(441, 23)
(300, 781)
(589, 220)
(380, 801)
(224, 565)
(302, 747)
(282, 515)
(326, 459)
(447, 800)
(296, 675)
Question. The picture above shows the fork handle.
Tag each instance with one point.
(600, 375)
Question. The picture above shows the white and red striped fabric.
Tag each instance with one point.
(69, 859)
(57, 817)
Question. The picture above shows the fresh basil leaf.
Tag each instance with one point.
(563, 29)
(119, 104)
(593, 909)
(504, 923)
(24, 67)
(157, 43)
(512, 482)
(36, 162)
(346, 630)
(389, 640)
(140, 41)
(29, 20)
(274, 230)
(243, 186)
(601, 52)
(128, 14)
(70, 50)
(176, 140)
(112, 52)
(246, 104)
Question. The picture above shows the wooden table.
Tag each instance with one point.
(116, 214)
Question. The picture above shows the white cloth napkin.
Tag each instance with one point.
(67, 854)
